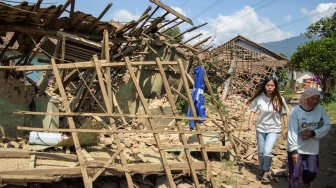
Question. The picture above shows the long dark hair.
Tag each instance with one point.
(276, 100)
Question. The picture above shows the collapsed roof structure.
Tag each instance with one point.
(103, 78)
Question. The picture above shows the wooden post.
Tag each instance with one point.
(193, 111)
(109, 110)
(175, 112)
(228, 81)
(86, 179)
(152, 125)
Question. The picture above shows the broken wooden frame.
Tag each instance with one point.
(102, 66)
(118, 53)
(166, 166)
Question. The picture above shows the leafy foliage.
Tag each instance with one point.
(318, 57)
(213, 107)
(174, 32)
(182, 106)
(325, 27)
(283, 77)
(330, 106)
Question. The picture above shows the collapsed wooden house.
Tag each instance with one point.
(122, 82)
(249, 62)
(91, 63)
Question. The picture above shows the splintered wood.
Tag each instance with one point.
(118, 90)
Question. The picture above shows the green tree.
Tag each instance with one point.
(319, 58)
(174, 32)
(325, 27)
(283, 77)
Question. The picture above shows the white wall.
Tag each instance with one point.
(299, 76)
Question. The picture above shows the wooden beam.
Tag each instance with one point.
(152, 124)
(12, 57)
(202, 131)
(32, 30)
(33, 11)
(113, 115)
(167, 8)
(11, 42)
(99, 17)
(81, 65)
(32, 161)
(175, 112)
(201, 42)
(166, 29)
(189, 30)
(72, 16)
(114, 128)
(86, 179)
(167, 23)
(192, 38)
(59, 13)
(155, 23)
(193, 111)
(78, 39)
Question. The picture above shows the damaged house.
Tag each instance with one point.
(106, 103)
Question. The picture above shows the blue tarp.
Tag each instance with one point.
(198, 96)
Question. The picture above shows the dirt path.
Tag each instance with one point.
(327, 158)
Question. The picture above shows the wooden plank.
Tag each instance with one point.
(193, 110)
(118, 131)
(112, 114)
(144, 168)
(78, 94)
(87, 155)
(79, 40)
(99, 17)
(101, 83)
(109, 110)
(58, 13)
(71, 122)
(169, 22)
(106, 56)
(23, 180)
(32, 161)
(175, 112)
(152, 124)
(82, 65)
(91, 78)
(180, 86)
(116, 104)
(167, 8)
(179, 94)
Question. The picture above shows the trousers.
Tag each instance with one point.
(266, 142)
(308, 164)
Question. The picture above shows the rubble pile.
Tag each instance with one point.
(110, 91)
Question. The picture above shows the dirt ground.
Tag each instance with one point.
(246, 173)
(233, 174)
(326, 178)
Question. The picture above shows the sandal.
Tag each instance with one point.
(260, 175)
(266, 179)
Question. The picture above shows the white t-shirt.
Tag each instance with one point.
(269, 119)
(301, 120)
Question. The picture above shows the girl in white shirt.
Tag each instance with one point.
(272, 108)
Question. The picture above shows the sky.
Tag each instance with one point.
(258, 20)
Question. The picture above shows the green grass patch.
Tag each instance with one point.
(331, 111)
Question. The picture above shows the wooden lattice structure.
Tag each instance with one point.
(76, 56)
(79, 60)
(91, 169)
(250, 61)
